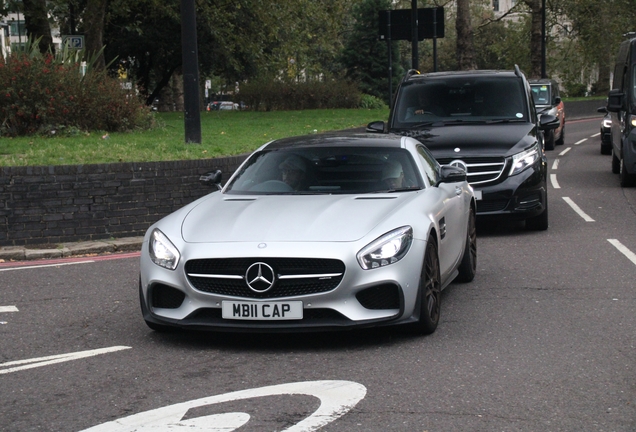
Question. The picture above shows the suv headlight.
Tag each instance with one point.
(523, 160)
(607, 123)
(162, 251)
(387, 249)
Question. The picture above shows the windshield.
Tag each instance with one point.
(541, 94)
(460, 100)
(327, 170)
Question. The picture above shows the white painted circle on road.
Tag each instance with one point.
(336, 399)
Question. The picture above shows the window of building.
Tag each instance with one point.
(17, 28)
(495, 5)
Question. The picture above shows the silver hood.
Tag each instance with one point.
(275, 218)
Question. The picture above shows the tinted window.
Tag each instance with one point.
(541, 94)
(460, 98)
(327, 170)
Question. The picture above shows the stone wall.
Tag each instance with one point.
(58, 204)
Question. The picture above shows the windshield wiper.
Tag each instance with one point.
(507, 120)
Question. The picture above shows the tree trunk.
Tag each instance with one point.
(37, 23)
(94, 29)
(535, 38)
(465, 52)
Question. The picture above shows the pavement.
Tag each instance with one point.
(67, 250)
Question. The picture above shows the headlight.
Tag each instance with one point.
(388, 249)
(607, 123)
(162, 251)
(553, 111)
(523, 160)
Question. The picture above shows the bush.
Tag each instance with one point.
(372, 102)
(575, 89)
(45, 93)
(275, 95)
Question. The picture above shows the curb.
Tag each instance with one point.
(65, 250)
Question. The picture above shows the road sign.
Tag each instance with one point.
(73, 41)
(430, 24)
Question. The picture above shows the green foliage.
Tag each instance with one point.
(372, 102)
(272, 95)
(575, 89)
(45, 93)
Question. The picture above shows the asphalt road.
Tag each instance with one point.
(542, 340)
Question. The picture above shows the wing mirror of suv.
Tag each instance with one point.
(375, 127)
(602, 110)
(212, 179)
(547, 122)
(557, 100)
(615, 100)
(451, 174)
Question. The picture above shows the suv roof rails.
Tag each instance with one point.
(518, 71)
(410, 73)
(629, 35)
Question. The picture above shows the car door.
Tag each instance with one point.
(451, 219)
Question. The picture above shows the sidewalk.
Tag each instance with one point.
(98, 247)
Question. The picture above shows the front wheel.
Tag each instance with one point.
(468, 266)
(616, 163)
(540, 222)
(561, 139)
(430, 291)
(549, 140)
(627, 179)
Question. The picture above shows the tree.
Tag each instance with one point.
(364, 56)
(94, 16)
(465, 52)
(37, 23)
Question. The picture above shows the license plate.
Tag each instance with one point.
(267, 311)
(477, 195)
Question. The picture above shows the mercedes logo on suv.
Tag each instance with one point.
(458, 163)
(260, 277)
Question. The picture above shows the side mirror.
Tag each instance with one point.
(451, 174)
(212, 179)
(602, 110)
(557, 100)
(615, 100)
(547, 122)
(375, 127)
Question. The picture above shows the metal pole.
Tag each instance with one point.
(434, 39)
(414, 55)
(388, 43)
(190, 56)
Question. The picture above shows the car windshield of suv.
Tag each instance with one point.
(541, 94)
(460, 100)
(327, 170)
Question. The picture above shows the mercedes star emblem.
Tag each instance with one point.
(260, 277)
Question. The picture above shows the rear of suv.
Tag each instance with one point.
(545, 93)
(484, 122)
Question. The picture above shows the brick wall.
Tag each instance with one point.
(57, 204)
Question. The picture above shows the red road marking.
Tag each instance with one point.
(41, 262)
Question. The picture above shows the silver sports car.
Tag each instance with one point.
(322, 232)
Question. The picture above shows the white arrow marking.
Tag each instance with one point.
(336, 399)
(45, 361)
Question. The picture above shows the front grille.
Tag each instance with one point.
(380, 297)
(294, 276)
(491, 206)
(480, 169)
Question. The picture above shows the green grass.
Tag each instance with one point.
(224, 133)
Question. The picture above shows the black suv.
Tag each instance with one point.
(484, 122)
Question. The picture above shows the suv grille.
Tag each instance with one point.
(480, 169)
(294, 276)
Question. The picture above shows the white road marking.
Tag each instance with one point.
(45, 361)
(578, 210)
(581, 141)
(596, 134)
(623, 249)
(8, 309)
(555, 164)
(336, 399)
(565, 151)
(553, 180)
(44, 265)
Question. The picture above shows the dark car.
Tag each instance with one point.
(545, 93)
(606, 132)
(621, 103)
(486, 123)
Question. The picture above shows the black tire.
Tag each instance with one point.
(540, 222)
(627, 180)
(561, 139)
(606, 149)
(430, 291)
(616, 163)
(549, 140)
(468, 266)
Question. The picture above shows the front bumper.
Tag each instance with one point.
(363, 298)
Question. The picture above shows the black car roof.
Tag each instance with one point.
(340, 139)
